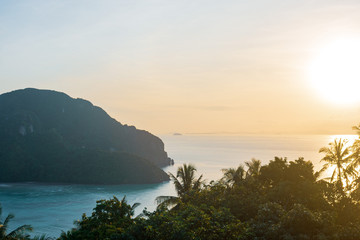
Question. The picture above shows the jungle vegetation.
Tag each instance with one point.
(283, 199)
(280, 200)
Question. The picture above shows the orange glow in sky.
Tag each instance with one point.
(246, 67)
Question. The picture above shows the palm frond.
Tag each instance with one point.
(20, 231)
(324, 168)
(7, 219)
(197, 184)
(135, 205)
(333, 175)
(166, 201)
(42, 237)
(253, 167)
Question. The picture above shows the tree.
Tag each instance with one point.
(234, 176)
(185, 182)
(275, 172)
(18, 233)
(355, 148)
(200, 222)
(254, 167)
(338, 155)
(109, 220)
(42, 237)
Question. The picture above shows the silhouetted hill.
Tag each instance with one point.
(51, 137)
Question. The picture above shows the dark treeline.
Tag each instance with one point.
(280, 200)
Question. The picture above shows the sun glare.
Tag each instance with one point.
(334, 71)
(350, 138)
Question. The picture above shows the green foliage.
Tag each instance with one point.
(42, 237)
(280, 200)
(185, 181)
(190, 222)
(18, 233)
(185, 184)
(234, 176)
(283, 200)
(109, 220)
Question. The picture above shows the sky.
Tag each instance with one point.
(200, 66)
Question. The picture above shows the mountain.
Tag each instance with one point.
(47, 136)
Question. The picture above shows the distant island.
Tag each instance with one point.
(177, 134)
(47, 136)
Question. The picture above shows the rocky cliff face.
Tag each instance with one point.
(75, 124)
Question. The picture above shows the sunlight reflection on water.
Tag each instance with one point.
(349, 138)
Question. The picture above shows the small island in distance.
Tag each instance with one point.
(49, 137)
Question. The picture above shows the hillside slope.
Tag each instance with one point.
(48, 136)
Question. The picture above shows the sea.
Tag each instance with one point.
(51, 209)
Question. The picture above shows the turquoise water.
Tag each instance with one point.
(52, 208)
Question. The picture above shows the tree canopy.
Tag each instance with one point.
(279, 200)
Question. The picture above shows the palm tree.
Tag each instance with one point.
(18, 233)
(234, 176)
(185, 182)
(109, 218)
(357, 128)
(254, 167)
(42, 237)
(113, 209)
(355, 148)
(339, 156)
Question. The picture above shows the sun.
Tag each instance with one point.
(334, 72)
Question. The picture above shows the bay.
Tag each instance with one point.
(53, 208)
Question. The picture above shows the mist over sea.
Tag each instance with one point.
(52, 208)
